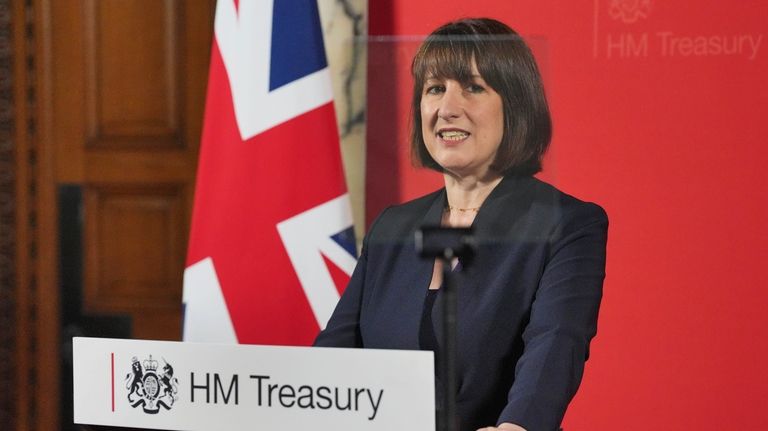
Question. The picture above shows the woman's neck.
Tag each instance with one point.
(469, 192)
(465, 196)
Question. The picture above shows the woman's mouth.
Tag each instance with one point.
(452, 135)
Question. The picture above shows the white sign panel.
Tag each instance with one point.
(194, 386)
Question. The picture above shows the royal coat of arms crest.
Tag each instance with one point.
(151, 388)
(629, 11)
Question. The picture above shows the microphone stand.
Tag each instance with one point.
(445, 244)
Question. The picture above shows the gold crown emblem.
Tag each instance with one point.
(150, 364)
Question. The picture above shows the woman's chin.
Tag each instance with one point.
(461, 172)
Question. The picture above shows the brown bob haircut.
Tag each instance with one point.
(506, 64)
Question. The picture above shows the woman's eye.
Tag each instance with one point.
(435, 89)
(475, 88)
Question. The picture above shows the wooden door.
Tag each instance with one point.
(128, 82)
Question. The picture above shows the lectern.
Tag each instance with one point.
(196, 386)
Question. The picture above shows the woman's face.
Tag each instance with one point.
(462, 125)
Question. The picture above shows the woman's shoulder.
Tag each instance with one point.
(525, 207)
(569, 206)
(566, 212)
(550, 197)
(418, 206)
(402, 219)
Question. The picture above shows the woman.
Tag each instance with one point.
(528, 303)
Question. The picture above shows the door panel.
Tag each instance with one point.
(128, 80)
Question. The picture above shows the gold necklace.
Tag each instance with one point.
(450, 208)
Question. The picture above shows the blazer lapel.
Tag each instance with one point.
(503, 207)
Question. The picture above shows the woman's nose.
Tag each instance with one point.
(451, 104)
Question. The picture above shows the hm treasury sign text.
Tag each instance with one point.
(190, 386)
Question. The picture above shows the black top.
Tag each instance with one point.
(427, 338)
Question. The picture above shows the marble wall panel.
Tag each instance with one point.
(345, 26)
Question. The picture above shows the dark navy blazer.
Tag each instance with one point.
(528, 303)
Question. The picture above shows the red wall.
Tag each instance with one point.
(670, 138)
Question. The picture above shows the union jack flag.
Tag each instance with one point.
(271, 244)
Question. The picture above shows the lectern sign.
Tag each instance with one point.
(189, 386)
